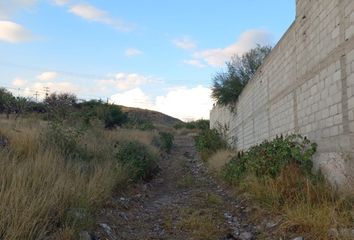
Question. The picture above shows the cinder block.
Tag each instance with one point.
(334, 131)
(333, 110)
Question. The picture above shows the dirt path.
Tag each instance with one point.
(182, 202)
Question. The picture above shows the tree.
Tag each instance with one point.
(60, 105)
(20, 106)
(111, 115)
(7, 101)
(227, 86)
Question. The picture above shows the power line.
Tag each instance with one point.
(45, 69)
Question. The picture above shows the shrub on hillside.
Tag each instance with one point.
(270, 157)
(65, 141)
(111, 115)
(60, 105)
(200, 124)
(140, 125)
(137, 158)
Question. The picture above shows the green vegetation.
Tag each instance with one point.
(138, 159)
(278, 176)
(61, 160)
(200, 124)
(270, 157)
(208, 142)
(166, 140)
(228, 85)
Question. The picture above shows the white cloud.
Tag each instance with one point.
(186, 103)
(58, 87)
(47, 76)
(125, 81)
(14, 33)
(91, 13)
(185, 43)
(132, 52)
(61, 2)
(19, 82)
(248, 40)
(9, 7)
(183, 103)
(132, 98)
(194, 62)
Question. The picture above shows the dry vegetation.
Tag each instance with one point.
(307, 206)
(218, 160)
(46, 194)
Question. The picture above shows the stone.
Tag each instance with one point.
(84, 235)
(78, 214)
(246, 236)
(298, 238)
(3, 141)
(271, 224)
(106, 228)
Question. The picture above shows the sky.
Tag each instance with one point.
(160, 55)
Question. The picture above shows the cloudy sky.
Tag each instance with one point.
(153, 54)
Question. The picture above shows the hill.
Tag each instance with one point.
(145, 115)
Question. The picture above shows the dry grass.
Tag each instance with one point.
(203, 224)
(308, 208)
(39, 186)
(218, 160)
(144, 137)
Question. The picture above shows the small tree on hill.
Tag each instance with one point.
(60, 105)
(228, 85)
(111, 115)
(7, 102)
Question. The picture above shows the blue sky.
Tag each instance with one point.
(154, 54)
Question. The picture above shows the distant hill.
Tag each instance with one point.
(154, 117)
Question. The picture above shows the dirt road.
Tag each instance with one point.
(183, 202)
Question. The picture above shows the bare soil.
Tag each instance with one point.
(182, 202)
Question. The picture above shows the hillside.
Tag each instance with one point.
(145, 115)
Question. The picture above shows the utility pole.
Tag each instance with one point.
(36, 95)
(46, 90)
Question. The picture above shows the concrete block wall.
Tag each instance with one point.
(305, 86)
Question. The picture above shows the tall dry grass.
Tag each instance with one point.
(40, 188)
(308, 208)
(218, 160)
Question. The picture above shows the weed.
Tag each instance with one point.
(164, 141)
(137, 158)
(202, 223)
(186, 181)
(277, 175)
(208, 142)
(219, 159)
(270, 157)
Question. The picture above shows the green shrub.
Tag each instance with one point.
(136, 123)
(166, 140)
(270, 157)
(208, 142)
(190, 125)
(179, 125)
(111, 115)
(138, 159)
(65, 141)
(200, 124)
